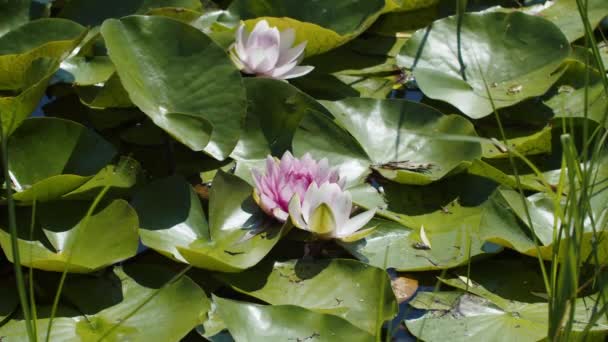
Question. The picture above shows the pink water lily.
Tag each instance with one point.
(325, 211)
(283, 179)
(266, 52)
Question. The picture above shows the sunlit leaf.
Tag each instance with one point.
(199, 99)
(297, 283)
(495, 51)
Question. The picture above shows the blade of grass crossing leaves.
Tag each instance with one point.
(144, 302)
(70, 253)
(31, 275)
(12, 222)
(123, 166)
(380, 313)
(517, 179)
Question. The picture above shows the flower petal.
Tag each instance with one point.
(282, 70)
(341, 205)
(292, 55)
(288, 37)
(358, 235)
(355, 223)
(297, 72)
(295, 212)
(241, 40)
(322, 221)
(279, 214)
(260, 28)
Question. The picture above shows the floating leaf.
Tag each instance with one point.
(453, 219)
(93, 13)
(399, 138)
(568, 95)
(296, 282)
(49, 157)
(62, 237)
(127, 303)
(29, 56)
(325, 25)
(271, 120)
(495, 50)
(482, 315)
(564, 13)
(181, 79)
(237, 236)
(284, 322)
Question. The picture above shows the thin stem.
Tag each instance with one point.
(64, 274)
(12, 223)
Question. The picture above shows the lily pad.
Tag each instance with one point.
(29, 56)
(14, 14)
(196, 94)
(451, 216)
(271, 120)
(564, 13)
(87, 71)
(325, 25)
(93, 13)
(237, 236)
(347, 285)
(125, 304)
(248, 322)
(495, 51)
(322, 137)
(399, 138)
(481, 315)
(567, 98)
(395, 132)
(62, 238)
(49, 157)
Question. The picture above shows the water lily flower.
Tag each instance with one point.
(266, 52)
(282, 179)
(325, 211)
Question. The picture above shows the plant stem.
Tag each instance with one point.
(12, 223)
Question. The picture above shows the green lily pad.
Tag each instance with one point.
(476, 318)
(364, 67)
(483, 169)
(199, 99)
(61, 239)
(567, 98)
(29, 56)
(119, 178)
(398, 137)
(13, 14)
(109, 94)
(499, 40)
(536, 143)
(50, 157)
(237, 236)
(542, 212)
(346, 285)
(452, 217)
(322, 137)
(251, 322)
(271, 120)
(108, 307)
(93, 13)
(324, 25)
(564, 13)
(393, 132)
(88, 71)
(481, 315)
